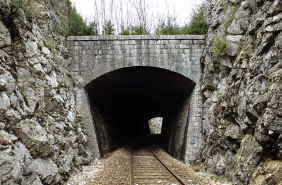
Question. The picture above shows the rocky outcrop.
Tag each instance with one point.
(243, 92)
(41, 141)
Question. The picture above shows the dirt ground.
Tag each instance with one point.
(115, 170)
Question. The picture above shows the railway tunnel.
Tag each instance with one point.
(124, 81)
(124, 100)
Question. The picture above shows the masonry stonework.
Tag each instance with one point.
(94, 56)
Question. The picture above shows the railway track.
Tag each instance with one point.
(147, 168)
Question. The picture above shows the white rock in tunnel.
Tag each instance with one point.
(155, 125)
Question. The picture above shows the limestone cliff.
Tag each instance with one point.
(41, 140)
(242, 77)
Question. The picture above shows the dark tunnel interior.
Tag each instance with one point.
(124, 100)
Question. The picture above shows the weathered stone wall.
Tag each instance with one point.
(243, 91)
(93, 56)
(186, 136)
(41, 140)
(194, 136)
(179, 129)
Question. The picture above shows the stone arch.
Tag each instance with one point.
(94, 57)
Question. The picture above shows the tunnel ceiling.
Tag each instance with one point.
(127, 98)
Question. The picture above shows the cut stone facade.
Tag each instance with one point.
(94, 56)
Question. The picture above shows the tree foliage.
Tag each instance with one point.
(218, 47)
(27, 7)
(169, 27)
(108, 28)
(74, 24)
(197, 25)
(134, 30)
(77, 26)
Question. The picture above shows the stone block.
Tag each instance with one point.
(174, 42)
(233, 44)
(45, 168)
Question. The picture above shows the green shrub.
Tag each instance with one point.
(134, 30)
(229, 20)
(51, 44)
(168, 28)
(32, 11)
(108, 28)
(224, 7)
(198, 24)
(28, 7)
(246, 53)
(74, 25)
(77, 26)
(76, 126)
(124, 31)
(218, 47)
(16, 7)
(57, 28)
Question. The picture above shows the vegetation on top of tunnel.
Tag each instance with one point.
(197, 25)
(75, 25)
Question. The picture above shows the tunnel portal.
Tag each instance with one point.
(124, 81)
(124, 100)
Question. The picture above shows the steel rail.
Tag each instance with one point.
(131, 169)
(171, 172)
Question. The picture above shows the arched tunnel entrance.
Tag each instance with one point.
(124, 100)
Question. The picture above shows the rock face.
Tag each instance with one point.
(40, 142)
(233, 44)
(243, 92)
